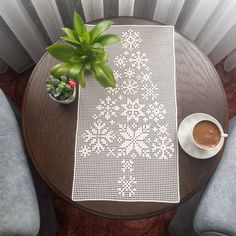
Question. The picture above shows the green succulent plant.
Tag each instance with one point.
(59, 87)
(85, 51)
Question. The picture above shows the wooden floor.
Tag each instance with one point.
(74, 222)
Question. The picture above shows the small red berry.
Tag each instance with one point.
(72, 83)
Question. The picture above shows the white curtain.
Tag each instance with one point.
(28, 26)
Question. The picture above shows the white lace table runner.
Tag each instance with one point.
(126, 139)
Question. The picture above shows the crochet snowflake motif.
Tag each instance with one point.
(134, 111)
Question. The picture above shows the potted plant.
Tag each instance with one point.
(61, 89)
(84, 51)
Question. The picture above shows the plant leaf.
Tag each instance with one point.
(108, 39)
(61, 52)
(55, 68)
(78, 24)
(60, 69)
(72, 41)
(69, 33)
(78, 59)
(79, 51)
(85, 38)
(74, 71)
(104, 75)
(81, 79)
(99, 57)
(58, 92)
(97, 50)
(99, 29)
(97, 45)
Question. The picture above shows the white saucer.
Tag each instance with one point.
(185, 139)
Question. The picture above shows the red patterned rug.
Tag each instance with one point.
(74, 222)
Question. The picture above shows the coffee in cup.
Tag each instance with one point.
(206, 134)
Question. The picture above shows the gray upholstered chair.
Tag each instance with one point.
(212, 212)
(19, 208)
(216, 211)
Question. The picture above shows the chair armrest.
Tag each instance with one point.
(216, 212)
(19, 214)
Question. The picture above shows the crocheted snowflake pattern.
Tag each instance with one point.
(129, 122)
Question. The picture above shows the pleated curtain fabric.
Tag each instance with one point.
(28, 26)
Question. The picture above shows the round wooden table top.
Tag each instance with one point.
(49, 129)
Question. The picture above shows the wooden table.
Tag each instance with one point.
(49, 129)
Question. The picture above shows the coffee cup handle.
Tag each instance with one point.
(224, 135)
